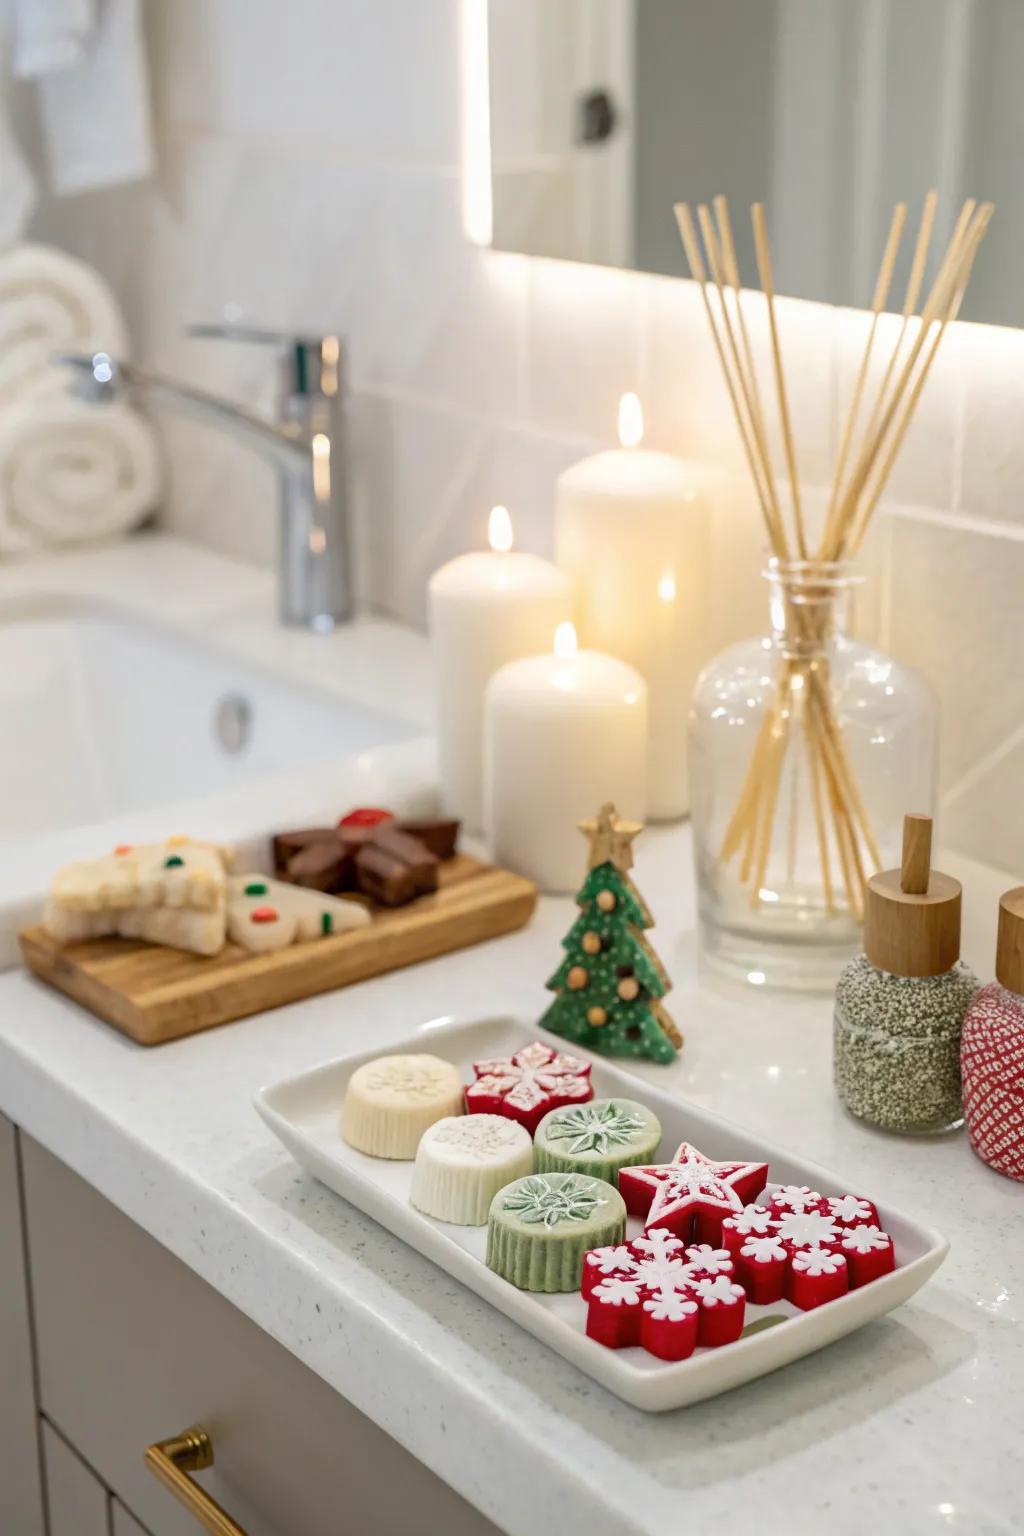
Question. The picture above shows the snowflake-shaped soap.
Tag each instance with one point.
(663, 1294)
(529, 1084)
(807, 1247)
(692, 1194)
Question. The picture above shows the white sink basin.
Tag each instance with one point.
(104, 715)
(147, 688)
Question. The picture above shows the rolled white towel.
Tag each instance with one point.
(72, 472)
(51, 302)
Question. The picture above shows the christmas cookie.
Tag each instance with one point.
(663, 1295)
(168, 893)
(529, 1084)
(392, 1100)
(462, 1162)
(267, 914)
(807, 1247)
(540, 1227)
(597, 1138)
(692, 1194)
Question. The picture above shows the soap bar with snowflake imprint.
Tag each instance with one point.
(806, 1247)
(598, 1138)
(463, 1161)
(663, 1294)
(392, 1100)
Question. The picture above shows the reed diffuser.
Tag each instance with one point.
(805, 748)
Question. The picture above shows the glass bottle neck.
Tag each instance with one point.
(810, 604)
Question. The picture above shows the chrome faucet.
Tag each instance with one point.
(306, 444)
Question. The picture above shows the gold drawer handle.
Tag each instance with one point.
(172, 1460)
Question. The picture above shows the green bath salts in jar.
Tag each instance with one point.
(900, 1006)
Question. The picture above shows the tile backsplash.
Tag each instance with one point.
(309, 174)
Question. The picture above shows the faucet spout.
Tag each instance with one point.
(307, 449)
(102, 378)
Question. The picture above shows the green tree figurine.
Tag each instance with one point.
(610, 985)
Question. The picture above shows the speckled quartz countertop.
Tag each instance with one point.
(909, 1426)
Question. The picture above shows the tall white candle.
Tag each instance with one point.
(631, 534)
(486, 608)
(562, 732)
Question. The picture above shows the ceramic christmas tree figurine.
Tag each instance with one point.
(610, 984)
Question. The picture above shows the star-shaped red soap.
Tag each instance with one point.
(692, 1195)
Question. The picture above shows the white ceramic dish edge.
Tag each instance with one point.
(653, 1386)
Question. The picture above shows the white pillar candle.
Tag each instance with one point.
(486, 608)
(630, 532)
(562, 732)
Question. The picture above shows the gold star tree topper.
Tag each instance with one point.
(611, 838)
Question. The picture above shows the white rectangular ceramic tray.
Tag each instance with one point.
(304, 1112)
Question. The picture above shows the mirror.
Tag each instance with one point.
(603, 113)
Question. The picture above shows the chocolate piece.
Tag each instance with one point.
(412, 852)
(287, 844)
(439, 836)
(327, 865)
(384, 877)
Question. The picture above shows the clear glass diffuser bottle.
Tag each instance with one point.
(804, 749)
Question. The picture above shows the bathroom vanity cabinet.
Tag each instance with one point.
(131, 1347)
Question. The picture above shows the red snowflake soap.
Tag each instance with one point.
(525, 1086)
(662, 1294)
(807, 1247)
(691, 1195)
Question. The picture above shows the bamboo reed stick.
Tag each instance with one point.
(764, 267)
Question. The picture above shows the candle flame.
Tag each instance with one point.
(499, 530)
(667, 587)
(565, 640)
(631, 421)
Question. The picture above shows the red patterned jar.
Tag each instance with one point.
(992, 1051)
(992, 1064)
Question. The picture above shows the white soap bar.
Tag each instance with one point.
(391, 1101)
(462, 1163)
(266, 914)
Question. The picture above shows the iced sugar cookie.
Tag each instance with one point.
(540, 1227)
(391, 1101)
(597, 1138)
(462, 1162)
(169, 893)
(266, 914)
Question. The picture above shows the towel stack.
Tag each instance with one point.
(70, 472)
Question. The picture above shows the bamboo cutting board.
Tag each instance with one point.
(156, 994)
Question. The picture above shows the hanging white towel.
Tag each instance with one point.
(72, 472)
(49, 303)
(48, 35)
(95, 116)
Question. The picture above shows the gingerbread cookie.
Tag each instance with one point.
(264, 915)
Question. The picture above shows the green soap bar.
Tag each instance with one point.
(597, 1138)
(540, 1227)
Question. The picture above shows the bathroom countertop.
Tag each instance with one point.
(907, 1426)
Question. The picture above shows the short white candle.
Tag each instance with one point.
(630, 532)
(562, 732)
(486, 608)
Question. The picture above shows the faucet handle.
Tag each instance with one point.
(311, 366)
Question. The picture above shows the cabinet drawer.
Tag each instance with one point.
(133, 1347)
(77, 1500)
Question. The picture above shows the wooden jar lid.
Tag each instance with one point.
(912, 914)
(1010, 941)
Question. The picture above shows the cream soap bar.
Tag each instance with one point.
(540, 1227)
(597, 1138)
(462, 1163)
(391, 1101)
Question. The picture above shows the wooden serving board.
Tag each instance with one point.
(156, 994)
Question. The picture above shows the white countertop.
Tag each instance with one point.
(910, 1426)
